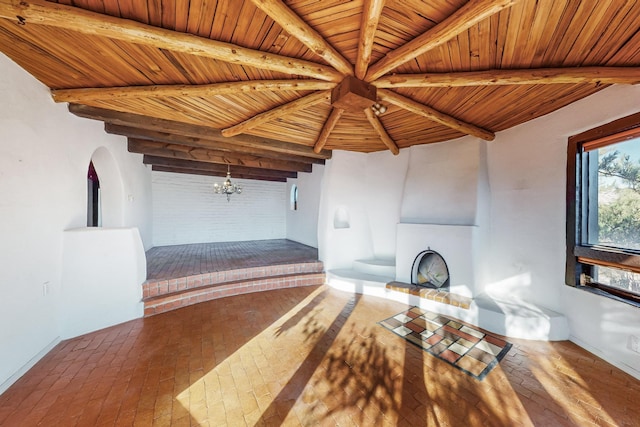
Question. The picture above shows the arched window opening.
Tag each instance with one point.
(94, 219)
(293, 199)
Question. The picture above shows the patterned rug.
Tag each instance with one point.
(465, 347)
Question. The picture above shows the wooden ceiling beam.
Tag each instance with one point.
(381, 131)
(461, 20)
(371, 12)
(174, 151)
(40, 12)
(214, 167)
(234, 175)
(86, 95)
(435, 115)
(540, 76)
(170, 138)
(298, 28)
(331, 122)
(192, 131)
(276, 113)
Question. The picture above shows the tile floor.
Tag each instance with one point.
(462, 345)
(170, 262)
(305, 356)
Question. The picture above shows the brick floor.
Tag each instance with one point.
(169, 262)
(304, 356)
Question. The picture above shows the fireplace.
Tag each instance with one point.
(430, 270)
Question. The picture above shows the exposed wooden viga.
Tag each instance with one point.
(197, 142)
(159, 91)
(164, 164)
(251, 85)
(180, 132)
(175, 151)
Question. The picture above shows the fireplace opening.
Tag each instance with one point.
(430, 270)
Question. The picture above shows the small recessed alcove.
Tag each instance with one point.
(341, 218)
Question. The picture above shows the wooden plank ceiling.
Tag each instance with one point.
(266, 85)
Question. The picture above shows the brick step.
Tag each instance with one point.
(165, 295)
(186, 297)
(152, 288)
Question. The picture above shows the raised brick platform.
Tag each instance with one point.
(432, 294)
(165, 295)
(232, 268)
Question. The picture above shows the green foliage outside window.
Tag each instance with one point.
(619, 213)
(619, 201)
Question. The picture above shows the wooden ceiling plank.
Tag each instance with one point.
(435, 115)
(516, 34)
(541, 18)
(239, 15)
(544, 76)
(188, 171)
(618, 38)
(298, 28)
(201, 154)
(193, 131)
(84, 95)
(275, 113)
(371, 12)
(595, 28)
(461, 20)
(214, 167)
(381, 131)
(42, 12)
(226, 145)
(331, 122)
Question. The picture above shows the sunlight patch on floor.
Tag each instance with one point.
(244, 385)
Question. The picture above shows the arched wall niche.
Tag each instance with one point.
(111, 188)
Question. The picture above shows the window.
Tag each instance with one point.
(603, 210)
(93, 198)
(293, 198)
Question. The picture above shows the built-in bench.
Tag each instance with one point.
(502, 314)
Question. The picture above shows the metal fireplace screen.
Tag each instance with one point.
(430, 270)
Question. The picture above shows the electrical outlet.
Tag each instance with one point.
(45, 289)
(634, 343)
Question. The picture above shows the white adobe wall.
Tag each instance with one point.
(383, 187)
(302, 224)
(344, 234)
(428, 184)
(44, 157)
(527, 170)
(185, 210)
(442, 183)
(102, 273)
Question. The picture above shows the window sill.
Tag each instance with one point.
(603, 293)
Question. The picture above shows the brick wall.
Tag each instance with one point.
(185, 210)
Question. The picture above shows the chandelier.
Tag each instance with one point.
(227, 187)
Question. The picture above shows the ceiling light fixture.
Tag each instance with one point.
(378, 108)
(227, 187)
